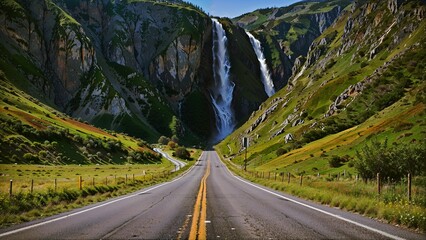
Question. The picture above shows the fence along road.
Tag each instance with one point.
(224, 205)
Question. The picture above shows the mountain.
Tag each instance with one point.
(33, 133)
(361, 79)
(144, 65)
(287, 32)
(150, 68)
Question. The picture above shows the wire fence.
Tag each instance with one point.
(12, 186)
(409, 189)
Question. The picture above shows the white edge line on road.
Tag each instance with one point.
(98, 206)
(317, 209)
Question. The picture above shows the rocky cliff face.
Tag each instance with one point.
(101, 59)
(119, 63)
(56, 44)
(289, 31)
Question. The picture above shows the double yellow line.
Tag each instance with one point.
(198, 226)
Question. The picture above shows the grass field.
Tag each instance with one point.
(67, 176)
(353, 195)
(99, 183)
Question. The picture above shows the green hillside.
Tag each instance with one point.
(349, 91)
(34, 133)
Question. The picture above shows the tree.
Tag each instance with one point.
(175, 126)
(181, 152)
(280, 151)
(172, 144)
(175, 139)
(335, 161)
(392, 162)
(163, 140)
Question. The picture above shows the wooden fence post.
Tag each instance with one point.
(409, 186)
(282, 177)
(93, 181)
(133, 177)
(288, 176)
(301, 179)
(378, 183)
(125, 182)
(10, 188)
(55, 184)
(32, 185)
(106, 180)
(80, 182)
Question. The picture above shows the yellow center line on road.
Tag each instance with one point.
(198, 226)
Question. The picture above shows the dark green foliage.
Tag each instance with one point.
(281, 151)
(181, 152)
(337, 161)
(175, 139)
(200, 123)
(31, 158)
(163, 140)
(392, 162)
(402, 126)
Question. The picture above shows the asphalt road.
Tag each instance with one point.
(178, 164)
(207, 202)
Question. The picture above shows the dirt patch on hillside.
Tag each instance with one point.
(87, 127)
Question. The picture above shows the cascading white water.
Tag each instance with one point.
(222, 93)
(268, 84)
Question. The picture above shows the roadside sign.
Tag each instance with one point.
(245, 142)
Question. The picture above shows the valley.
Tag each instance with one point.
(329, 94)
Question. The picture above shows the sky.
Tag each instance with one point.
(234, 8)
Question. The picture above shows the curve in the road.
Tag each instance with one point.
(178, 164)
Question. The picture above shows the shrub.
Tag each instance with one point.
(175, 139)
(172, 144)
(31, 157)
(335, 161)
(280, 151)
(402, 126)
(42, 154)
(181, 152)
(163, 140)
(392, 162)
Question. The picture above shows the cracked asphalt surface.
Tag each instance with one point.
(236, 209)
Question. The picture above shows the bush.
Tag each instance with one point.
(163, 140)
(280, 151)
(181, 152)
(335, 161)
(172, 144)
(392, 162)
(31, 158)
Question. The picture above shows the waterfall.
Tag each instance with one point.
(221, 94)
(265, 76)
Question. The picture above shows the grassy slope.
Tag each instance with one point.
(64, 149)
(28, 124)
(315, 97)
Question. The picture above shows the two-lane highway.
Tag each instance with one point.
(162, 211)
(207, 202)
(240, 209)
